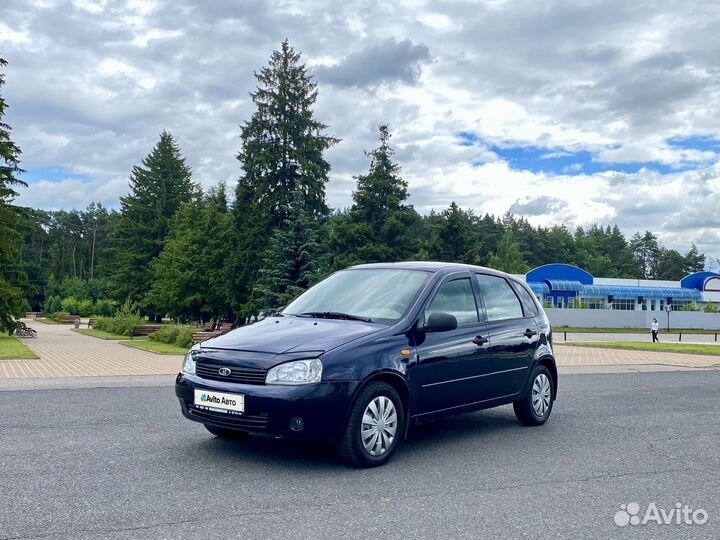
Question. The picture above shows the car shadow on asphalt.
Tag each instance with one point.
(484, 427)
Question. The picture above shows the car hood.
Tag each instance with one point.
(280, 335)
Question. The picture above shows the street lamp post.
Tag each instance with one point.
(668, 309)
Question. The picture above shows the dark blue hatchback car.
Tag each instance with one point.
(372, 349)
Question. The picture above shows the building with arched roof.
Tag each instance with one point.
(567, 286)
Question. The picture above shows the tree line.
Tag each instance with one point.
(174, 249)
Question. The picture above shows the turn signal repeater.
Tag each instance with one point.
(405, 352)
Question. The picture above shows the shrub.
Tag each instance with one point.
(105, 308)
(85, 308)
(167, 334)
(71, 305)
(55, 316)
(103, 323)
(711, 308)
(52, 305)
(184, 338)
(174, 334)
(127, 318)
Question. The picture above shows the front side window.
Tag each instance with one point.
(500, 300)
(456, 298)
(379, 294)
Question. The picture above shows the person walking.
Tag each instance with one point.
(655, 328)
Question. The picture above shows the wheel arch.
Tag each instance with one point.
(549, 363)
(394, 379)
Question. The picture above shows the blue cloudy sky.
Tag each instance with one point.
(564, 112)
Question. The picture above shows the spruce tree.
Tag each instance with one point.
(190, 277)
(290, 263)
(454, 237)
(158, 188)
(282, 153)
(378, 226)
(12, 277)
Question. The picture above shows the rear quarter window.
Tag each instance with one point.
(529, 304)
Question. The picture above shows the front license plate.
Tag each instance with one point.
(220, 401)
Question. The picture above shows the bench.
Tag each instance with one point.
(208, 326)
(199, 337)
(91, 323)
(145, 330)
(67, 319)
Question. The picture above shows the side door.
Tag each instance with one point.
(513, 335)
(451, 365)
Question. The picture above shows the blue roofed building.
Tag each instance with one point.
(567, 286)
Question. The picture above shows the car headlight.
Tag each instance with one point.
(298, 372)
(189, 364)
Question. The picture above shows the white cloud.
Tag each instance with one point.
(91, 84)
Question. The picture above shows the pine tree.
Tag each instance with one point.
(290, 263)
(282, 153)
(158, 188)
(377, 228)
(12, 298)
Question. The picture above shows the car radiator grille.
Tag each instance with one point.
(237, 374)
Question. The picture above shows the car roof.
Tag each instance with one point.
(431, 266)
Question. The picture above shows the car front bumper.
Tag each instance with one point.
(270, 409)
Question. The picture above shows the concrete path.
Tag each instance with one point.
(65, 353)
(589, 356)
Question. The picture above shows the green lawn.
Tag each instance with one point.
(694, 348)
(46, 321)
(577, 330)
(100, 334)
(156, 347)
(12, 347)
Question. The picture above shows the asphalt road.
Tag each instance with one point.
(120, 462)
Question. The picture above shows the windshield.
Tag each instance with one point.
(380, 295)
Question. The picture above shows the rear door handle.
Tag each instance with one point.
(479, 340)
(530, 333)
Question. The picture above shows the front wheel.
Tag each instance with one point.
(224, 432)
(535, 407)
(374, 428)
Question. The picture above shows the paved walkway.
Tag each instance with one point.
(589, 356)
(65, 353)
(705, 339)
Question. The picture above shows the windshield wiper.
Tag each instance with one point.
(334, 315)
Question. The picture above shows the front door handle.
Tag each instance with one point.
(530, 333)
(479, 340)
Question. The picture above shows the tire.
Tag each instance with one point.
(541, 390)
(380, 444)
(225, 433)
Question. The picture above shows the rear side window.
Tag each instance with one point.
(531, 309)
(456, 298)
(501, 302)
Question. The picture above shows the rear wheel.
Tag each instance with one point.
(374, 428)
(535, 407)
(225, 433)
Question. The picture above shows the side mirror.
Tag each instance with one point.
(440, 322)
